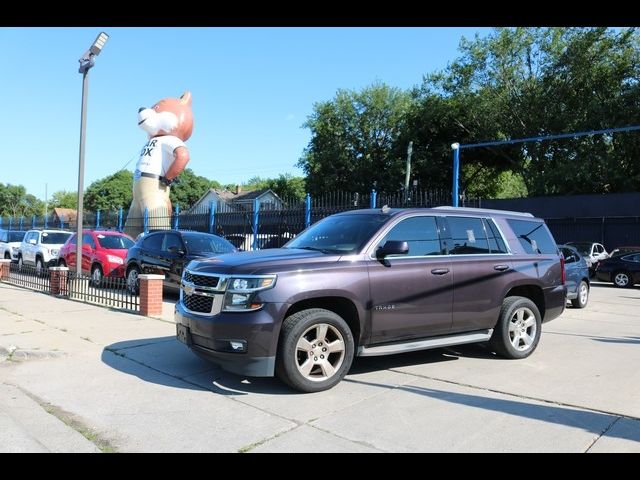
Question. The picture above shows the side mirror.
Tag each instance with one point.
(393, 247)
(176, 250)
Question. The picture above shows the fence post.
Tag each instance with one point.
(58, 283)
(145, 220)
(46, 220)
(97, 219)
(307, 211)
(61, 221)
(151, 295)
(212, 217)
(374, 198)
(256, 214)
(10, 222)
(176, 224)
(33, 222)
(120, 219)
(5, 266)
(0, 221)
(21, 222)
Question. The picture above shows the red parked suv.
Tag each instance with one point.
(103, 253)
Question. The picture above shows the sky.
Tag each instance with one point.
(252, 87)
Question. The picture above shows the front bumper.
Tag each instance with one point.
(259, 329)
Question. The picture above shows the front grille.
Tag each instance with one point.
(201, 280)
(198, 303)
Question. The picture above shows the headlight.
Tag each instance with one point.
(242, 290)
(251, 284)
(15, 249)
(114, 259)
(54, 252)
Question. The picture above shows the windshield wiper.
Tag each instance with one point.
(319, 249)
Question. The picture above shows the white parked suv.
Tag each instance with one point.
(10, 244)
(40, 248)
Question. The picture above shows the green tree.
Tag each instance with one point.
(189, 188)
(110, 193)
(285, 185)
(64, 199)
(524, 82)
(16, 202)
(354, 140)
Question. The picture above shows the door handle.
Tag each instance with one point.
(501, 268)
(440, 271)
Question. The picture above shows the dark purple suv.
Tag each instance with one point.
(374, 282)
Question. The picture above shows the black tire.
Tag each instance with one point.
(622, 279)
(39, 267)
(20, 263)
(583, 296)
(320, 330)
(7, 256)
(96, 275)
(518, 316)
(133, 284)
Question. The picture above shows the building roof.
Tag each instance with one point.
(68, 214)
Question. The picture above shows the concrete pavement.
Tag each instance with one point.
(113, 381)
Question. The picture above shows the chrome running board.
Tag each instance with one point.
(435, 342)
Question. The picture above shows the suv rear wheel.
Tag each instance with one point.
(517, 332)
(133, 284)
(316, 350)
(583, 296)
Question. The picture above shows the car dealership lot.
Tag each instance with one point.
(125, 382)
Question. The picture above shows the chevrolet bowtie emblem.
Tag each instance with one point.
(189, 288)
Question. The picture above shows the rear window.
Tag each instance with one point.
(533, 236)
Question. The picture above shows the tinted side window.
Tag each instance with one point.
(568, 255)
(421, 233)
(533, 236)
(153, 242)
(468, 236)
(171, 240)
(496, 243)
(87, 239)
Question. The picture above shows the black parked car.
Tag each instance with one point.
(577, 276)
(167, 252)
(623, 270)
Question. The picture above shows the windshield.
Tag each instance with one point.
(16, 236)
(115, 242)
(204, 243)
(339, 233)
(54, 238)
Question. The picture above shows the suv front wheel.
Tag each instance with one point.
(315, 351)
(517, 332)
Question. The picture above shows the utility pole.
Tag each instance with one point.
(45, 200)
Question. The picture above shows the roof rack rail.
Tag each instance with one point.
(483, 210)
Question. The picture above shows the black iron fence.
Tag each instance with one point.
(108, 292)
(28, 277)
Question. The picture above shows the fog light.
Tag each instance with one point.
(230, 345)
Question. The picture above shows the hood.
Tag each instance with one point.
(260, 261)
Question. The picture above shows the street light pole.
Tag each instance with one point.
(86, 62)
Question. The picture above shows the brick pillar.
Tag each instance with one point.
(58, 281)
(151, 295)
(4, 270)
